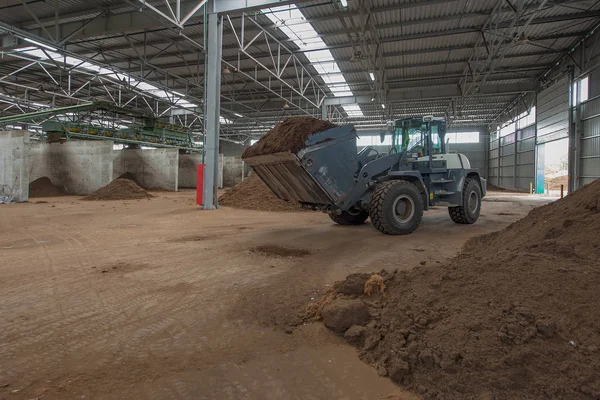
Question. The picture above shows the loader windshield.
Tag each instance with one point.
(414, 136)
(413, 140)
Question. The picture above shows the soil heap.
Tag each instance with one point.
(253, 194)
(131, 177)
(555, 183)
(43, 187)
(289, 135)
(119, 189)
(514, 316)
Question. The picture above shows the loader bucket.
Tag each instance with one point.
(321, 173)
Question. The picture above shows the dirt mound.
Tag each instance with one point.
(514, 315)
(119, 189)
(289, 135)
(253, 194)
(131, 177)
(43, 187)
(555, 183)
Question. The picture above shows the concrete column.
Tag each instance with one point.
(212, 110)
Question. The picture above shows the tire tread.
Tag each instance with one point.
(377, 213)
(459, 214)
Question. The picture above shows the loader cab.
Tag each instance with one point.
(419, 137)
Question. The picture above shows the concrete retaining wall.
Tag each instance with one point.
(230, 149)
(232, 171)
(153, 168)
(79, 166)
(14, 164)
(188, 164)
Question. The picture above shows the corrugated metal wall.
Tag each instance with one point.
(475, 152)
(589, 164)
(493, 170)
(507, 160)
(525, 157)
(553, 111)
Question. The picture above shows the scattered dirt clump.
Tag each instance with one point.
(254, 194)
(513, 316)
(289, 135)
(278, 251)
(43, 187)
(119, 189)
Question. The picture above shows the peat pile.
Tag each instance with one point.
(131, 177)
(513, 316)
(555, 183)
(43, 187)
(289, 135)
(119, 189)
(253, 194)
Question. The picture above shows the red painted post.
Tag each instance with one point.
(199, 184)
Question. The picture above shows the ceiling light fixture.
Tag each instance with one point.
(238, 115)
(383, 106)
(226, 71)
(286, 106)
(344, 3)
(372, 75)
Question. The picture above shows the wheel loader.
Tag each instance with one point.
(392, 189)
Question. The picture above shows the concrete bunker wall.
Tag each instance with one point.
(78, 167)
(188, 165)
(14, 164)
(153, 168)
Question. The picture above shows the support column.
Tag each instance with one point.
(324, 112)
(212, 110)
(574, 133)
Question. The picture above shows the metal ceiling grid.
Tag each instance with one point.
(424, 44)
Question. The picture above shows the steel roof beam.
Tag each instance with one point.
(358, 70)
(135, 23)
(439, 93)
(339, 46)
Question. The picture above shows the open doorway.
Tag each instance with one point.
(553, 167)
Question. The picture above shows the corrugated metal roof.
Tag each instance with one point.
(421, 44)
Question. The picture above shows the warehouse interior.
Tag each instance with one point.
(156, 245)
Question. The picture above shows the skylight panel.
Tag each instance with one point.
(291, 21)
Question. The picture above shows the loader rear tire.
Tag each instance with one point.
(396, 207)
(350, 218)
(468, 212)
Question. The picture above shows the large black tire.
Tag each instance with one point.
(350, 218)
(396, 207)
(468, 211)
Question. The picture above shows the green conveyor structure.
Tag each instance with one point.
(143, 129)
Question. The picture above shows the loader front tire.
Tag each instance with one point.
(350, 218)
(396, 207)
(468, 211)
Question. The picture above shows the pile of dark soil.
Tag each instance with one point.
(513, 316)
(289, 135)
(43, 187)
(253, 194)
(119, 189)
(131, 177)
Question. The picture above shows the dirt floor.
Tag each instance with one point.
(155, 299)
